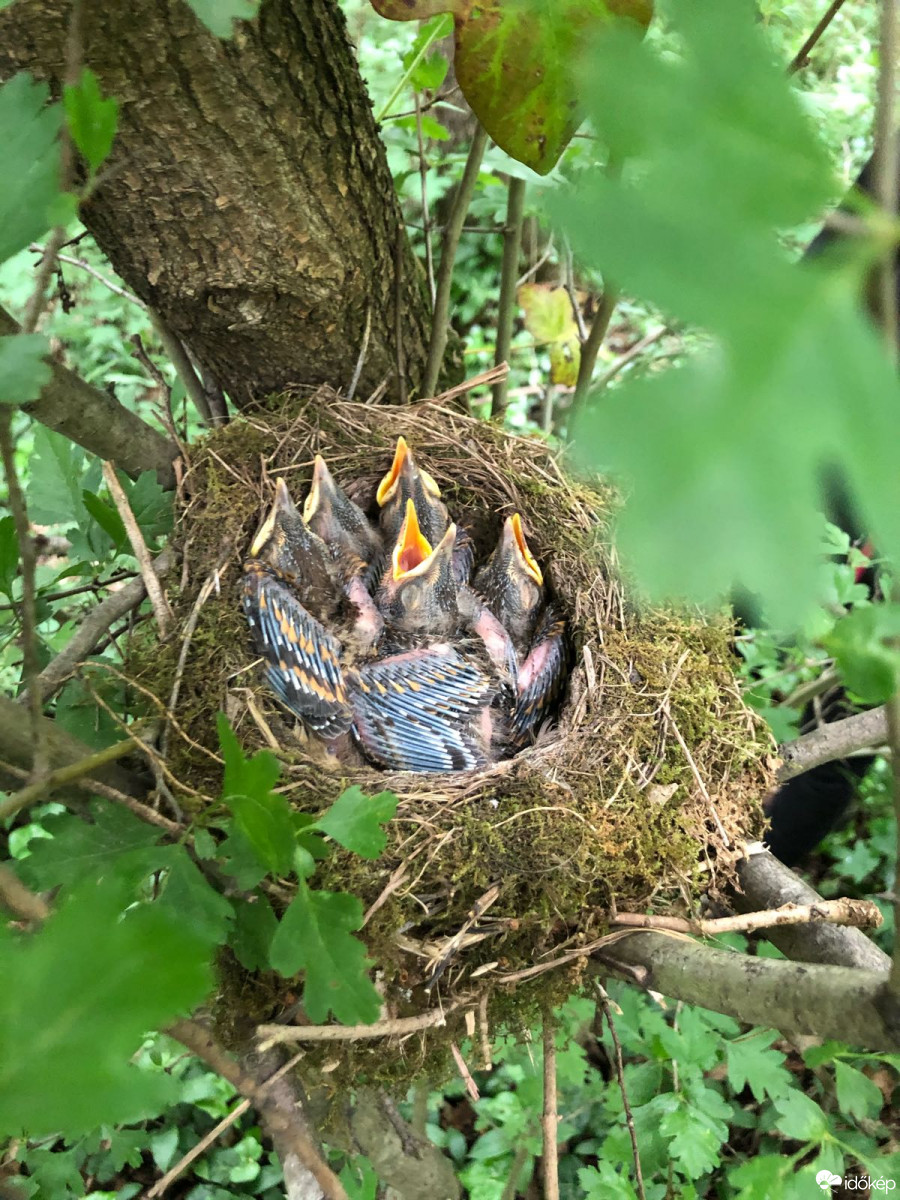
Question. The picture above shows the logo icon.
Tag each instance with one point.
(827, 1181)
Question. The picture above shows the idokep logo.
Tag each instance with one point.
(854, 1183)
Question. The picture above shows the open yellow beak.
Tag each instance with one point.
(403, 461)
(528, 561)
(412, 548)
(320, 481)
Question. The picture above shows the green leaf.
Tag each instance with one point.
(9, 555)
(23, 371)
(263, 818)
(219, 15)
(857, 1095)
(255, 925)
(150, 503)
(515, 62)
(92, 120)
(799, 1117)
(29, 135)
(107, 517)
(240, 860)
(315, 935)
(696, 1135)
(79, 849)
(355, 820)
(79, 713)
(189, 896)
(865, 648)
(751, 1063)
(78, 998)
(55, 480)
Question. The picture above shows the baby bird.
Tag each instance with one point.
(342, 525)
(418, 592)
(404, 482)
(512, 585)
(292, 587)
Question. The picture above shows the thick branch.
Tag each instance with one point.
(830, 1002)
(96, 421)
(403, 1160)
(830, 742)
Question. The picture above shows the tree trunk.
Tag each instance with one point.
(247, 198)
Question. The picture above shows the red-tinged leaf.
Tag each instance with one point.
(515, 63)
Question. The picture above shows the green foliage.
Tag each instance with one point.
(219, 15)
(91, 118)
(79, 995)
(23, 371)
(29, 134)
(725, 455)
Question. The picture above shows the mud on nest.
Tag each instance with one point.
(614, 806)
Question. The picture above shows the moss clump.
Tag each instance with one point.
(606, 809)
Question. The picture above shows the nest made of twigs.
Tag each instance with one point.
(640, 794)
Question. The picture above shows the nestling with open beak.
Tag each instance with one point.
(512, 585)
(341, 524)
(417, 595)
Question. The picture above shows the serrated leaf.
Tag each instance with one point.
(799, 1117)
(254, 927)
(240, 860)
(858, 1096)
(315, 935)
(78, 998)
(23, 372)
(355, 820)
(864, 646)
(91, 118)
(29, 135)
(189, 896)
(79, 713)
(752, 1063)
(219, 15)
(9, 555)
(550, 320)
(107, 517)
(55, 480)
(150, 503)
(515, 63)
(695, 1140)
(264, 819)
(78, 849)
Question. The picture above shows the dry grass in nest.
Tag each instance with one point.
(640, 796)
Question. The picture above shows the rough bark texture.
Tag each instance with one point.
(96, 421)
(247, 199)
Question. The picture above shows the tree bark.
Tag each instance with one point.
(247, 199)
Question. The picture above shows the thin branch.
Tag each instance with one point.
(19, 899)
(399, 352)
(215, 1133)
(89, 633)
(550, 1115)
(360, 361)
(42, 788)
(30, 662)
(450, 243)
(801, 58)
(885, 169)
(426, 215)
(184, 369)
(862, 914)
(512, 242)
(839, 739)
(160, 605)
(285, 1128)
(606, 1005)
(45, 269)
(83, 265)
(271, 1035)
(591, 347)
(630, 355)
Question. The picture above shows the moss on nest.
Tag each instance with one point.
(606, 809)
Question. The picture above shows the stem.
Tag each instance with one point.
(441, 29)
(801, 58)
(591, 348)
(620, 1075)
(30, 661)
(426, 216)
(512, 240)
(549, 1118)
(452, 233)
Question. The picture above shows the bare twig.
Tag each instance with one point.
(591, 347)
(862, 914)
(452, 232)
(184, 368)
(426, 215)
(550, 1116)
(630, 355)
(606, 1005)
(286, 1128)
(360, 361)
(271, 1035)
(863, 731)
(91, 630)
(28, 553)
(801, 58)
(41, 788)
(885, 168)
(512, 241)
(85, 266)
(160, 605)
(491, 375)
(19, 899)
(399, 351)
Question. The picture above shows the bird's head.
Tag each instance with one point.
(511, 581)
(284, 540)
(405, 481)
(418, 592)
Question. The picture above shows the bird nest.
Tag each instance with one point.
(638, 797)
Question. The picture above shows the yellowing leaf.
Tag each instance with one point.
(515, 62)
(550, 320)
